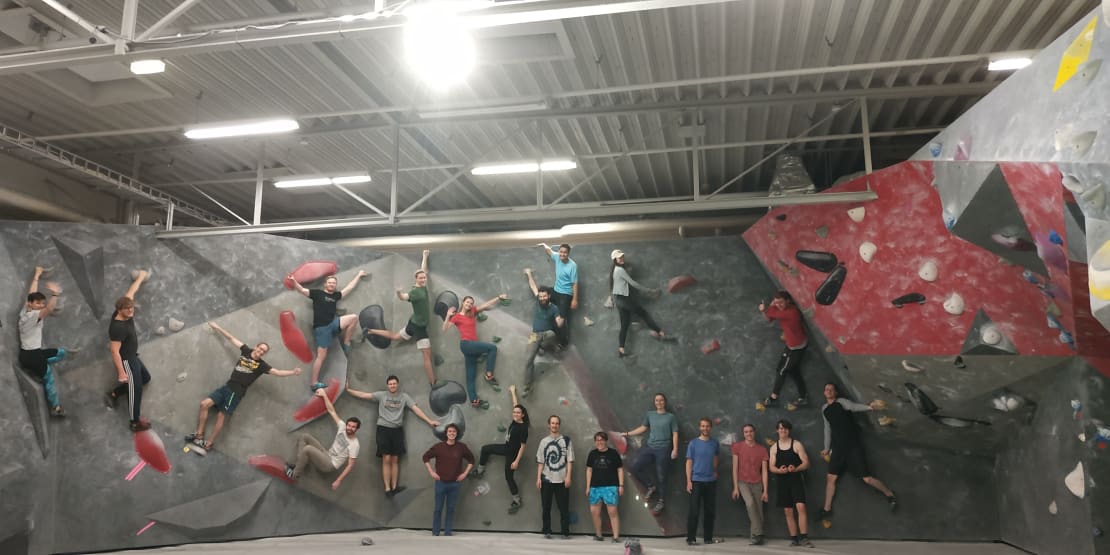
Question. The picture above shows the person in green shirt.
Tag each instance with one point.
(417, 326)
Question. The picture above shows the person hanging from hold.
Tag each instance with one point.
(621, 285)
(786, 313)
(123, 343)
(546, 321)
(326, 325)
(33, 357)
(466, 320)
(417, 326)
(516, 439)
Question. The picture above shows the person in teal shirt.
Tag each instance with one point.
(565, 292)
(650, 466)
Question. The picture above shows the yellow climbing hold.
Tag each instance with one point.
(1098, 273)
(1077, 53)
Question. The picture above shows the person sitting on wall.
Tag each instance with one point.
(449, 475)
(844, 447)
(417, 326)
(545, 321)
(784, 311)
(228, 396)
(390, 434)
(326, 325)
(466, 320)
(123, 343)
(565, 291)
(344, 449)
(33, 357)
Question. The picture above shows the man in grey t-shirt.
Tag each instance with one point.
(390, 433)
(662, 442)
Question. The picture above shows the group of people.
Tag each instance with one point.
(450, 461)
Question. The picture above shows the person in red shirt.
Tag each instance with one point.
(784, 311)
(472, 349)
(749, 479)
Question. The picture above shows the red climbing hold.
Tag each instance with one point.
(619, 442)
(311, 271)
(315, 408)
(679, 283)
(292, 336)
(271, 465)
(152, 451)
(710, 346)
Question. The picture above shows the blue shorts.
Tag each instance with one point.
(604, 494)
(225, 399)
(324, 334)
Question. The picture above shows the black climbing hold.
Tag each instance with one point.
(820, 261)
(827, 292)
(444, 394)
(959, 362)
(453, 416)
(924, 404)
(907, 299)
(780, 217)
(445, 300)
(373, 318)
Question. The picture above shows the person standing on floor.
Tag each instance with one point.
(417, 326)
(33, 357)
(466, 320)
(844, 447)
(123, 343)
(650, 465)
(565, 291)
(749, 479)
(789, 463)
(620, 285)
(516, 439)
(702, 457)
(326, 325)
(555, 458)
(786, 313)
(448, 474)
(604, 484)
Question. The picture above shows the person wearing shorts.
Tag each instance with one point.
(789, 463)
(844, 447)
(417, 326)
(390, 433)
(326, 325)
(227, 397)
(604, 484)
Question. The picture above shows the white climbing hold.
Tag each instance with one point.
(990, 335)
(175, 324)
(160, 330)
(1072, 183)
(886, 421)
(857, 213)
(587, 321)
(135, 273)
(608, 302)
(1076, 482)
(181, 377)
(1052, 509)
(1083, 437)
(1068, 140)
(911, 367)
(1089, 69)
(954, 304)
(928, 271)
(867, 251)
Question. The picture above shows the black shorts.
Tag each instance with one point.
(413, 331)
(391, 441)
(790, 489)
(35, 361)
(850, 459)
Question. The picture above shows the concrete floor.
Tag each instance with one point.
(411, 542)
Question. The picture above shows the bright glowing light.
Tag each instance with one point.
(239, 129)
(524, 167)
(588, 229)
(350, 179)
(302, 182)
(1009, 64)
(147, 67)
(438, 44)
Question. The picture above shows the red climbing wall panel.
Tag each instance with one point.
(905, 223)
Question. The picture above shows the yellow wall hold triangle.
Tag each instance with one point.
(1077, 53)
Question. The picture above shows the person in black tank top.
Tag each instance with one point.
(788, 463)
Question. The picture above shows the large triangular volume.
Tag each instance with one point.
(993, 221)
(985, 338)
(86, 264)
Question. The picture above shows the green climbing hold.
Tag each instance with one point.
(482, 317)
(501, 428)
(506, 302)
(822, 231)
(438, 360)
(496, 339)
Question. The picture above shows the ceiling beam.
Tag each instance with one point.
(166, 20)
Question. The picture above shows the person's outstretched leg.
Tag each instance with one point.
(830, 491)
(321, 356)
(877, 484)
(470, 362)
(429, 370)
(347, 325)
(648, 320)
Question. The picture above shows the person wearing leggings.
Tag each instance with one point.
(513, 450)
(620, 285)
(466, 320)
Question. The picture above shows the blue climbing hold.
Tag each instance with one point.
(1030, 277)
(1055, 237)
(935, 148)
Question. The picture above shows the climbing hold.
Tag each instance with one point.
(1076, 407)
(1074, 142)
(907, 299)
(496, 339)
(1089, 69)
(928, 271)
(564, 401)
(769, 441)
(160, 330)
(482, 317)
(963, 149)
(1075, 54)
(954, 304)
(885, 421)
(822, 231)
(990, 335)
(820, 261)
(830, 349)
(1071, 183)
(175, 324)
(911, 367)
(857, 213)
(151, 450)
(826, 523)
(1096, 531)
(842, 339)
(367, 541)
(293, 337)
(924, 404)
(1083, 437)
(1055, 238)
(959, 362)
(828, 290)
(760, 407)
(867, 251)
(1098, 272)
(438, 360)
(935, 149)
(181, 377)
(710, 346)
(135, 273)
(487, 522)
(787, 268)
(1052, 509)
(878, 404)
(1076, 482)
(505, 302)
(780, 217)
(679, 283)
(586, 320)
(608, 302)
(311, 271)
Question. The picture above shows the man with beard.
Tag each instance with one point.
(545, 321)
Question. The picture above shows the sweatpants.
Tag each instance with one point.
(134, 391)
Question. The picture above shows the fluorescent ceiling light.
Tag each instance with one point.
(1008, 64)
(524, 167)
(484, 110)
(147, 67)
(242, 128)
(438, 45)
(319, 180)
